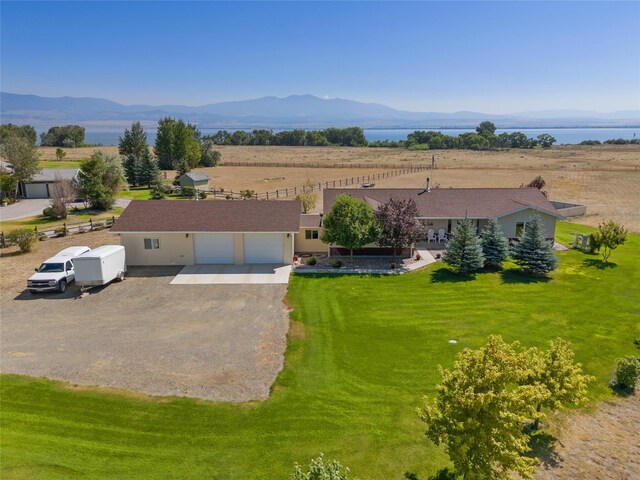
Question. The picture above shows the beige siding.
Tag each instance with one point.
(508, 222)
(309, 246)
(175, 249)
(288, 249)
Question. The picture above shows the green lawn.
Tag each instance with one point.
(135, 193)
(59, 164)
(362, 352)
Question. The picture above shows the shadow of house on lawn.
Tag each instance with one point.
(599, 264)
(515, 275)
(444, 275)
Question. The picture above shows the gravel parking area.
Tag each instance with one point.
(217, 342)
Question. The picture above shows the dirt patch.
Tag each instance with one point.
(601, 444)
(216, 342)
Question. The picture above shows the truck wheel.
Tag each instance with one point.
(120, 276)
(62, 286)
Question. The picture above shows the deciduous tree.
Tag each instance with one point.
(60, 154)
(23, 156)
(479, 410)
(609, 236)
(308, 197)
(63, 193)
(534, 253)
(487, 127)
(350, 223)
(556, 371)
(399, 226)
(495, 246)
(177, 140)
(100, 178)
(464, 251)
(25, 131)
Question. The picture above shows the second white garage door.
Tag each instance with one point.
(263, 248)
(213, 248)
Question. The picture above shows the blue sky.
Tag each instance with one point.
(444, 56)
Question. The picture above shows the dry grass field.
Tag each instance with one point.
(605, 178)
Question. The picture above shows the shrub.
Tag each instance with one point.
(188, 191)
(48, 212)
(202, 194)
(311, 261)
(319, 470)
(393, 265)
(336, 264)
(627, 372)
(247, 193)
(25, 238)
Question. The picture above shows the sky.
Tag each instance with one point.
(491, 57)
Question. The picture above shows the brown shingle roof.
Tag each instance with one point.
(452, 202)
(210, 216)
(310, 220)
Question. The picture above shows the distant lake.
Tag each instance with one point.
(562, 135)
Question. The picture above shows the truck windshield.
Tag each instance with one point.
(51, 267)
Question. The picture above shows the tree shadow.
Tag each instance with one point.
(621, 391)
(445, 275)
(11, 254)
(515, 275)
(542, 447)
(444, 474)
(599, 264)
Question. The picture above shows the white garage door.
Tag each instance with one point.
(36, 190)
(213, 248)
(263, 247)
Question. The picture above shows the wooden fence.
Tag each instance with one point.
(64, 229)
(368, 180)
(377, 166)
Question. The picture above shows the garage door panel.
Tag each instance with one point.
(212, 248)
(36, 190)
(263, 248)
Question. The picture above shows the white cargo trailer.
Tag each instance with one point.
(100, 266)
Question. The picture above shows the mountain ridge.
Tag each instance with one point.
(293, 111)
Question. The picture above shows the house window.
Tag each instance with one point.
(151, 243)
(311, 234)
(520, 228)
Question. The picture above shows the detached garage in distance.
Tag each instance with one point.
(233, 232)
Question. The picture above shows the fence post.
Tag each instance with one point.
(277, 193)
(2, 244)
(64, 229)
(319, 186)
(36, 230)
(267, 195)
(295, 190)
(286, 192)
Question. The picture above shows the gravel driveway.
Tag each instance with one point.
(217, 342)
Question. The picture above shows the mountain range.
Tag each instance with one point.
(294, 111)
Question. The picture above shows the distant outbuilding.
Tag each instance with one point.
(197, 180)
(42, 183)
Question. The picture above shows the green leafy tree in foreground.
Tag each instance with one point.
(495, 246)
(607, 238)
(479, 410)
(556, 371)
(319, 470)
(534, 253)
(464, 251)
(350, 223)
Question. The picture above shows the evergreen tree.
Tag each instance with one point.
(131, 166)
(534, 253)
(495, 246)
(464, 250)
(148, 169)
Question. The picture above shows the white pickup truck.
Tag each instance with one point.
(55, 273)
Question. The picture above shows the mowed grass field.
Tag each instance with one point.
(362, 352)
(605, 178)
